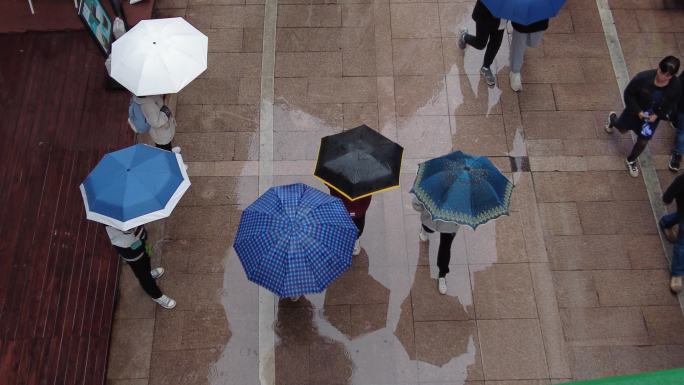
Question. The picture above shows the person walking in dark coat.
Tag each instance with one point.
(667, 222)
(678, 122)
(489, 32)
(130, 245)
(649, 97)
(357, 211)
(523, 36)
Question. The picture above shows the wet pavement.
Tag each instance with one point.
(571, 285)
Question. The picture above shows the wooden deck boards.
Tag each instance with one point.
(58, 272)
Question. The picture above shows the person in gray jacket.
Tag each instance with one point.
(447, 233)
(161, 120)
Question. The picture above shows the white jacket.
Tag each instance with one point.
(162, 128)
(426, 219)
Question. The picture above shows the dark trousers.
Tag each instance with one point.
(168, 146)
(486, 37)
(630, 122)
(141, 268)
(360, 224)
(444, 253)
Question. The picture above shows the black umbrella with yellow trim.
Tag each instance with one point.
(359, 162)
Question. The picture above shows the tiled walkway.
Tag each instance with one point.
(571, 285)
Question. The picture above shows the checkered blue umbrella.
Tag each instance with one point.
(295, 240)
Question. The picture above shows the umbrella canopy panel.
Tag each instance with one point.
(159, 56)
(462, 188)
(359, 162)
(524, 11)
(133, 186)
(295, 240)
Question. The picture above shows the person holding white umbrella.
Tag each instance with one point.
(159, 120)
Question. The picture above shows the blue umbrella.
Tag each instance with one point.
(462, 188)
(134, 186)
(524, 11)
(295, 240)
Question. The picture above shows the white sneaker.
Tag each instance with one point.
(632, 168)
(165, 302)
(422, 234)
(357, 248)
(516, 82)
(176, 149)
(157, 272)
(441, 285)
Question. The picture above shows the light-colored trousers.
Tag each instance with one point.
(519, 43)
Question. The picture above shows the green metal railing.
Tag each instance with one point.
(665, 377)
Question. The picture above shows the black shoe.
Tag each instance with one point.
(675, 159)
(612, 119)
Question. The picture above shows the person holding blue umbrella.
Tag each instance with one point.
(294, 240)
(524, 35)
(457, 189)
(131, 187)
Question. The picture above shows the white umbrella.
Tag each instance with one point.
(159, 56)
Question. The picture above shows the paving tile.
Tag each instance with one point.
(598, 71)
(225, 39)
(358, 62)
(429, 305)
(200, 222)
(438, 342)
(342, 90)
(645, 251)
(648, 44)
(500, 241)
(323, 15)
(472, 125)
(586, 252)
(253, 39)
(210, 146)
(552, 70)
(663, 324)
(292, 364)
(367, 318)
(340, 317)
(182, 367)
(468, 95)
(210, 91)
(405, 52)
(329, 363)
(625, 20)
(415, 20)
(230, 65)
(453, 17)
(659, 20)
(586, 20)
(626, 188)
(307, 39)
(503, 291)
(562, 23)
(404, 330)
(137, 381)
(575, 289)
(626, 217)
(296, 145)
(571, 186)
(558, 124)
(592, 362)
(217, 118)
(560, 218)
(246, 146)
(216, 191)
(195, 255)
(604, 326)
(518, 382)
(512, 349)
(633, 287)
(570, 97)
(194, 291)
(356, 287)
(537, 97)
(420, 95)
(424, 136)
(575, 45)
(357, 15)
(130, 347)
(303, 64)
(356, 114)
(320, 118)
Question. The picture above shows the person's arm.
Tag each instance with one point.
(669, 108)
(631, 95)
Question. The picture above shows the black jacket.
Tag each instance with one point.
(541, 25)
(482, 16)
(639, 91)
(676, 192)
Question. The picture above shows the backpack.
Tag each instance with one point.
(136, 118)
